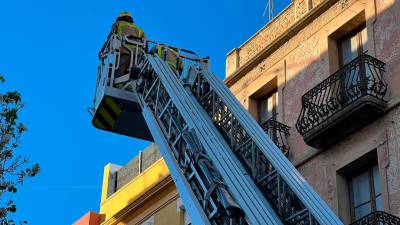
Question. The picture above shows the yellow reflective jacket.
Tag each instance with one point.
(169, 55)
(125, 28)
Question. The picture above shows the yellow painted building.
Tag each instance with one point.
(140, 193)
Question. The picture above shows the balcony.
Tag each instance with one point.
(278, 132)
(378, 218)
(344, 102)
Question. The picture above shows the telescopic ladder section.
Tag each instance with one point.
(190, 167)
(291, 196)
(180, 122)
(226, 169)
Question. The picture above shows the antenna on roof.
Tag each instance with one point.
(269, 10)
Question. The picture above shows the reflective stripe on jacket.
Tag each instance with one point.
(124, 28)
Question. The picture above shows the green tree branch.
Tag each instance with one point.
(14, 168)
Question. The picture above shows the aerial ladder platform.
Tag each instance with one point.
(226, 168)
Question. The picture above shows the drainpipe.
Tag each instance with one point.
(140, 162)
(373, 25)
(283, 91)
(387, 165)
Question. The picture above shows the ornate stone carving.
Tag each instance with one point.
(301, 8)
(268, 34)
(283, 50)
(344, 3)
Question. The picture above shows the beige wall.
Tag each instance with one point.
(161, 208)
(167, 215)
(294, 50)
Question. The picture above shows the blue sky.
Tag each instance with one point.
(48, 51)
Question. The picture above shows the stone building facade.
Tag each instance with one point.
(330, 70)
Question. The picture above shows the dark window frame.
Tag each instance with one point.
(357, 31)
(274, 94)
(372, 192)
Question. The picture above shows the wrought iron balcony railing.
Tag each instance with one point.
(359, 81)
(278, 132)
(378, 218)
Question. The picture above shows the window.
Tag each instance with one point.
(149, 221)
(350, 47)
(267, 107)
(353, 45)
(347, 42)
(183, 216)
(365, 193)
(186, 219)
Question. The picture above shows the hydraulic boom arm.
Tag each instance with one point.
(226, 168)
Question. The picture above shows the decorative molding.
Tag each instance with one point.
(267, 35)
(294, 37)
(273, 41)
(301, 8)
(344, 3)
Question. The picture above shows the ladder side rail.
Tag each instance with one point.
(293, 216)
(317, 206)
(169, 135)
(223, 119)
(253, 203)
(192, 206)
(270, 184)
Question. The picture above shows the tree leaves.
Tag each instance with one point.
(12, 97)
(10, 115)
(21, 128)
(14, 168)
(33, 171)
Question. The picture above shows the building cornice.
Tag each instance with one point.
(279, 41)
